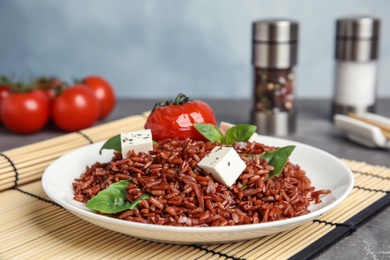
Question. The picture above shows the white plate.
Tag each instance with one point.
(325, 171)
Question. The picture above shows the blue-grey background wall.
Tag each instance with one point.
(157, 48)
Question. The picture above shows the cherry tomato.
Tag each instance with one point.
(75, 109)
(104, 93)
(25, 112)
(176, 119)
(5, 91)
(51, 85)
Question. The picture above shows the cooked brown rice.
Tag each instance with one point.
(184, 195)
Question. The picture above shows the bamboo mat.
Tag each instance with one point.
(34, 227)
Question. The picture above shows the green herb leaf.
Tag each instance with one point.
(210, 132)
(136, 202)
(112, 143)
(241, 132)
(112, 199)
(278, 158)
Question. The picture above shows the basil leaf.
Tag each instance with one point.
(112, 143)
(136, 202)
(241, 132)
(278, 158)
(210, 132)
(112, 199)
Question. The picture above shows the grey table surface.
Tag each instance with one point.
(314, 127)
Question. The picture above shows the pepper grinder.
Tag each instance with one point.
(356, 54)
(274, 60)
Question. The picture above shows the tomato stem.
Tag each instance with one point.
(179, 100)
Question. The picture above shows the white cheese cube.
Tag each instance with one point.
(224, 164)
(139, 141)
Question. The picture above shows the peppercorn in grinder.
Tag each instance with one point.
(274, 60)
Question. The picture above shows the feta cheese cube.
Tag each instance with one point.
(139, 141)
(224, 164)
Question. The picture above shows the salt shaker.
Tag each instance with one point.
(356, 53)
(274, 60)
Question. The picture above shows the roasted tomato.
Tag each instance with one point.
(176, 119)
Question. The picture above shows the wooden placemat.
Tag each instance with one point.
(34, 227)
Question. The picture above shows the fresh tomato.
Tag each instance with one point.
(104, 93)
(5, 91)
(51, 85)
(176, 119)
(75, 109)
(25, 112)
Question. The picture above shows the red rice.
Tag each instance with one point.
(185, 195)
